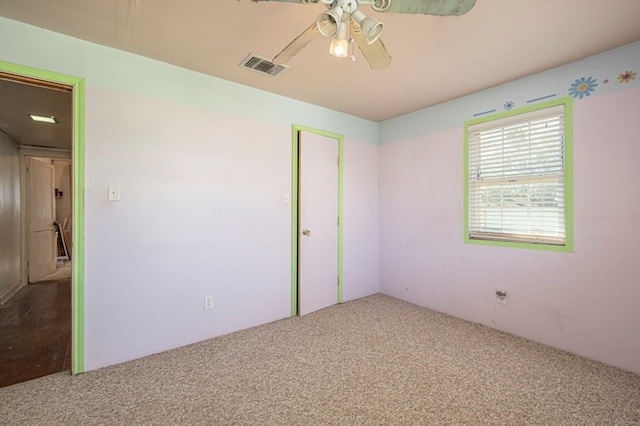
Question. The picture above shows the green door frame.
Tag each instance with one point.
(295, 163)
(78, 158)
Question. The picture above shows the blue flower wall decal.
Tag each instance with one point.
(509, 105)
(583, 87)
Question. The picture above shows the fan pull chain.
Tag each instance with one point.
(351, 40)
(351, 43)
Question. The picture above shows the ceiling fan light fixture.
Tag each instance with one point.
(371, 27)
(339, 48)
(329, 22)
(381, 5)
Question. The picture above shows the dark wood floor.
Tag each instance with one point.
(35, 332)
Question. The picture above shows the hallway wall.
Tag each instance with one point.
(10, 279)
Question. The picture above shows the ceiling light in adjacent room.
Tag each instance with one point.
(44, 118)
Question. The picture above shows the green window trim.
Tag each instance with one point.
(567, 102)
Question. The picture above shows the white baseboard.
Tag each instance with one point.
(9, 293)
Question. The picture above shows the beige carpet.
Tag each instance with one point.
(374, 361)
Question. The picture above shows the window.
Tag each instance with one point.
(518, 178)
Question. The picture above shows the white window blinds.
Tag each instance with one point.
(516, 175)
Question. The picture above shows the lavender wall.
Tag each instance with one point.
(201, 213)
(584, 302)
(203, 163)
(360, 211)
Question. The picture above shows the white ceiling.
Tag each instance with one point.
(435, 59)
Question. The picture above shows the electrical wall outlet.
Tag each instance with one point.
(208, 302)
(502, 296)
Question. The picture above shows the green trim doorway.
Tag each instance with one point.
(295, 162)
(78, 157)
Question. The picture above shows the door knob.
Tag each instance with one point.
(306, 232)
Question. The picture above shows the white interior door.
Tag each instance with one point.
(317, 222)
(41, 214)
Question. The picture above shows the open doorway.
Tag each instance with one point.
(49, 223)
(46, 181)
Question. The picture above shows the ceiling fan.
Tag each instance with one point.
(344, 18)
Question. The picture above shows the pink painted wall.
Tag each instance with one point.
(586, 302)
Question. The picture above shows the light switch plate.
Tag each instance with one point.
(113, 192)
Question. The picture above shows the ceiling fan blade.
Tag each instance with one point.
(430, 7)
(289, 1)
(296, 45)
(375, 53)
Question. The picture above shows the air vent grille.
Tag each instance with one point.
(263, 65)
